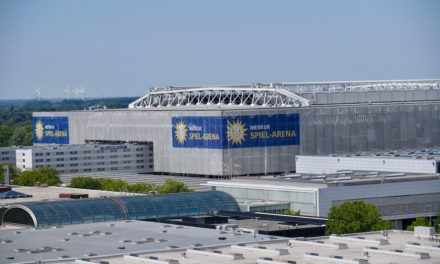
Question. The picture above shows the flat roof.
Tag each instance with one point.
(110, 238)
(396, 247)
(312, 182)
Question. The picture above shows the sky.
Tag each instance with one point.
(122, 48)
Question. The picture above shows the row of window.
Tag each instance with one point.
(90, 163)
(98, 169)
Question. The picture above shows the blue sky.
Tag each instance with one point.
(121, 48)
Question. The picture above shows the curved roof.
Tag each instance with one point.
(142, 207)
(269, 96)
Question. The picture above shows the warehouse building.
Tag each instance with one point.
(87, 158)
(225, 131)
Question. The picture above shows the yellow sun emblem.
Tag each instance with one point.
(180, 132)
(236, 132)
(39, 130)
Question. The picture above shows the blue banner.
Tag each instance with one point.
(235, 131)
(50, 130)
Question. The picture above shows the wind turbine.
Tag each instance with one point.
(68, 92)
(38, 91)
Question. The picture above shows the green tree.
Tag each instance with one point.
(353, 217)
(47, 176)
(83, 182)
(5, 135)
(172, 186)
(419, 221)
(141, 187)
(115, 185)
(437, 223)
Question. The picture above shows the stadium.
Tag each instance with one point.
(226, 131)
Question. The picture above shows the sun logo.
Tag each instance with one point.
(39, 130)
(236, 132)
(180, 132)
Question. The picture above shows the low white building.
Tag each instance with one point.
(87, 158)
(397, 195)
(419, 161)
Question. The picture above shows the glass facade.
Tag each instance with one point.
(304, 201)
(142, 207)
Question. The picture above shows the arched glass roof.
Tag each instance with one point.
(177, 205)
(142, 207)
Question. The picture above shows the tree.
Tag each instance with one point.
(5, 135)
(47, 176)
(115, 185)
(172, 186)
(141, 187)
(353, 217)
(437, 223)
(85, 183)
(419, 221)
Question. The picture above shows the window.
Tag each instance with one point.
(60, 165)
(87, 169)
(126, 167)
(87, 152)
(60, 159)
(5, 158)
(151, 166)
(151, 155)
(47, 153)
(151, 160)
(73, 158)
(38, 154)
(74, 170)
(114, 162)
(74, 165)
(113, 156)
(47, 160)
(23, 154)
(60, 153)
(139, 161)
(100, 157)
(101, 163)
(127, 161)
(73, 152)
(39, 160)
(140, 167)
(39, 166)
(127, 156)
(87, 158)
(139, 155)
(101, 169)
(5, 152)
(139, 149)
(114, 168)
(87, 163)
(24, 166)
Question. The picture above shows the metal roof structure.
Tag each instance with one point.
(288, 94)
(141, 207)
(270, 96)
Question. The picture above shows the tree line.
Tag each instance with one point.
(117, 185)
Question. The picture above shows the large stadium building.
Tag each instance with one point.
(225, 131)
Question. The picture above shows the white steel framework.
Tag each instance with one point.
(269, 96)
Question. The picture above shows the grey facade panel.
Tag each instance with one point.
(323, 130)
